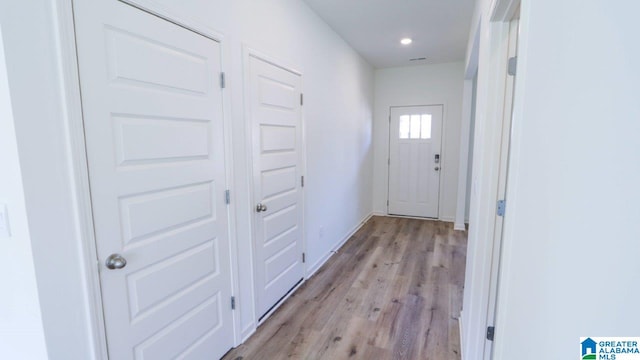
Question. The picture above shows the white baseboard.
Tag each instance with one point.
(315, 267)
(414, 217)
(444, 219)
(458, 226)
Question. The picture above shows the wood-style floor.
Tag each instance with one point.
(393, 291)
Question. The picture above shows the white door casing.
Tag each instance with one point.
(275, 117)
(505, 146)
(415, 160)
(152, 109)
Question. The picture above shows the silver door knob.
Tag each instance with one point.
(115, 261)
(437, 168)
(261, 207)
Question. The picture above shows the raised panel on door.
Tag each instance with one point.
(275, 117)
(415, 160)
(155, 146)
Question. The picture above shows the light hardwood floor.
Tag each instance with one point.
(393, 291)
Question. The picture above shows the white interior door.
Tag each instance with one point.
(154, 134)
(415, 137)
(276, 121)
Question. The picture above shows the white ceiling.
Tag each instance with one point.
(439, 28)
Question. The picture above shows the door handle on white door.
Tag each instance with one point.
(437, 168)
(115, 261)
(261, 207)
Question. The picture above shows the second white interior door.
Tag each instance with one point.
(276, 120)
(415, 160)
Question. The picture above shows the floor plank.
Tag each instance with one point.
(393, 291)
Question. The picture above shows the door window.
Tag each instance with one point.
(417, 126)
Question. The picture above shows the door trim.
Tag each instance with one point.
(502, 178)
(490, 107)
(504, 10)
(80, 173)
(442, 155)
(167, 13)
(75, 143)
(247, 53)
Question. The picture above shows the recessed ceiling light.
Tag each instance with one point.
(406, 41)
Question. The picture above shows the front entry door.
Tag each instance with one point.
(415, 160)
(276, 121)
(152, 108)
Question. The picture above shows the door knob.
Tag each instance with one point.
(261, 207)
(437, 168)
(115, 261)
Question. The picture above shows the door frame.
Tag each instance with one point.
(442, 147)
(490, 49)
(76, 147)
(502, 179)
(247, 53)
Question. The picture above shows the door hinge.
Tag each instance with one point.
(302, 181)
(491, 333)
(301, 99)
(387, 202)
(227, 196)
(223, 81)
(233, 303)
(304, 258)
(501, 208)
(512, 68)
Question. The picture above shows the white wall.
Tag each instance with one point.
(338, 87)
(420, 85)
(572, 234)
(570, 251)
(21, 331)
